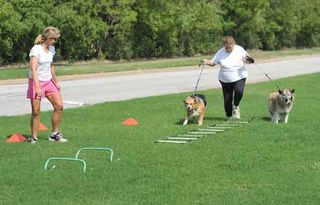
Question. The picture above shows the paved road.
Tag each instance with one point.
(123, 86)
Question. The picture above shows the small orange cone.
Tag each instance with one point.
(42, 127)
(16, 137)
(130, 122)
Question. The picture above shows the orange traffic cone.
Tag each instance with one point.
(16, 137)
(130, 122)
(42, 127)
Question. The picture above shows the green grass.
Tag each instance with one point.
(102, 67)
(258, 163)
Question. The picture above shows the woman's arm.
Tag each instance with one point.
(54, 78)
(208, 62)
(248, 59)
(33, 65)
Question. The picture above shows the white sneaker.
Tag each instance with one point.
(33, 140)
(236, 112)
(229, 119)
(57, 138)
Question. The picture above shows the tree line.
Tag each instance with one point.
(128, 29)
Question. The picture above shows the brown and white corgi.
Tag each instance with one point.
(195, 106)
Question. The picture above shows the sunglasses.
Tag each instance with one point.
(55, 39)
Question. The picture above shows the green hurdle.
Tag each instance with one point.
(95, 148)
(66, 159)
(77, 159)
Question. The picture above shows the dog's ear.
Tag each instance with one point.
(280, 92)
(195, 100)
(292, 91)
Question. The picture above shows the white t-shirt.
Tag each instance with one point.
(44, 62)
(231, 64)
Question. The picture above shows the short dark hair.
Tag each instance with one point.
(227, 40)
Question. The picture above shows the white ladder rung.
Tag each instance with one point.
(211, 129)
(172, 141)
(204, 133)
(182, 138)
(190, 135)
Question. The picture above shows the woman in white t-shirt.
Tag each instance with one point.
(232, 74)
(43, 83)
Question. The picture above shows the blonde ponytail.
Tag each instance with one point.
(49, 32)
(38, 40)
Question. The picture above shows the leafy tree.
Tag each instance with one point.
(283, 16)
(199, 26)
(245, 20)
(182, 27)
(154, 28)
(34, 16)
(10, 30)
(309, 32)
(125, 29)
(81, 30)
(119, 18)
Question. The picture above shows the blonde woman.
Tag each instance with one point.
(232, 74)
(43, 83)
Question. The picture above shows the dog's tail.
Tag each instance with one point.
(202, 97)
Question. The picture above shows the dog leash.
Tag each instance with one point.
(202, 66)
(197, 84)
(267, 76)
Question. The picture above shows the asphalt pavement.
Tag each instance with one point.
(130, 85)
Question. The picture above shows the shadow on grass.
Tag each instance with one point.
(194, 121)
(265, 118)
(254, 118)
(219, 119)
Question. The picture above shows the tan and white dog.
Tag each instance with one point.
(195, 106)
(280, 104)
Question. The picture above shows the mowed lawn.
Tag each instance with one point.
(257, 163)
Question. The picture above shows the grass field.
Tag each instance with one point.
(258, 163)
(116, 66)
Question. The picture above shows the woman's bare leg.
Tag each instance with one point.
(35, 117)
(56, 101)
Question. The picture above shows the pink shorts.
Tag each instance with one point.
(47, 88)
